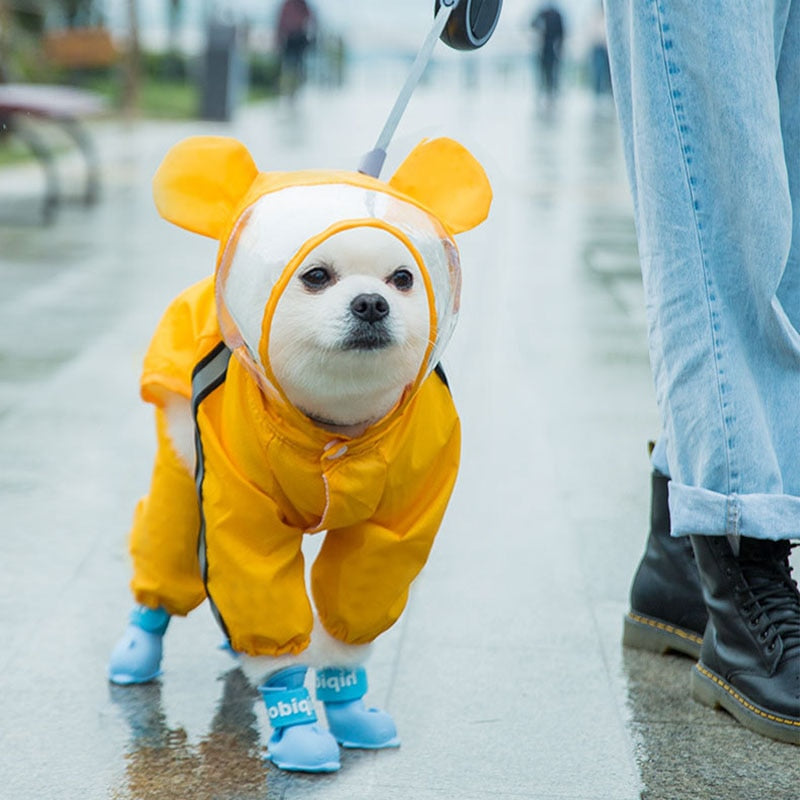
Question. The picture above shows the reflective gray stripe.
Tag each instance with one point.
(208, 375)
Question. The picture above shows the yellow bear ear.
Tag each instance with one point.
(444, 177)
(201, 181)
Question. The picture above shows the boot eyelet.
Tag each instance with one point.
(763, 636)
(771, 648)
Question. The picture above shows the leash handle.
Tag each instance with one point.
(372, 162)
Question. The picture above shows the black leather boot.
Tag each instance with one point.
(750, 660)
(667, 609)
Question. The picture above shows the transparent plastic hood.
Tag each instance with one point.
(275, 233)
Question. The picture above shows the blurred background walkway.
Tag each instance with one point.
(506, 675)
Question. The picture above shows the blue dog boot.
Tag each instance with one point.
(351, 723)
(137, 655)
(298, 743)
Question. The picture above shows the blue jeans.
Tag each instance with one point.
(708, 98)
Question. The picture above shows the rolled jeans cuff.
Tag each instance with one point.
(759, 516)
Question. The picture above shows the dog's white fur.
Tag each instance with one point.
(180, 427)
(324, 651)
(345, 389)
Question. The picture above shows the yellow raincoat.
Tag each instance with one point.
(267, 474)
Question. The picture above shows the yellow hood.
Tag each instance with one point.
(267, 222)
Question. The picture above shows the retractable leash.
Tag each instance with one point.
(461, 24)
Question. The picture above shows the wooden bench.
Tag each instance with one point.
(65, 106)
(80, 48)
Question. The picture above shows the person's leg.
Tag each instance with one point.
(667, 612)
(788, 79)
(750, 658)
(702, 127)
(762, 693)
(703, 103)
(657, 619)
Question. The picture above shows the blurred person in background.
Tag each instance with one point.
(599, 72)
(709, 110)
(548, 23)
(295, 34)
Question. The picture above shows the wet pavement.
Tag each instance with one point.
(506, 675)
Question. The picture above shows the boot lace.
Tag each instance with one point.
(771, 600)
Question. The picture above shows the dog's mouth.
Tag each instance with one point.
(368, 336)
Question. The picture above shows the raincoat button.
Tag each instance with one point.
(338, 453)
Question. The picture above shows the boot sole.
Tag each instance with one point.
(648, 633)
(711, 690)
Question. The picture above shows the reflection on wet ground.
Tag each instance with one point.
(226, 763)
(161, 762)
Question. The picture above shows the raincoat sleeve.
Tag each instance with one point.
(362, 575)
(163, 539)
(186, 332)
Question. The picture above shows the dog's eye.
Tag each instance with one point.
(316, 278)
(401, 279)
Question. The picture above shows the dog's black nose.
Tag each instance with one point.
(369, 307)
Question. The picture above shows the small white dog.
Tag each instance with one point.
(351, 330)
(335, 293)
(349, 335)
